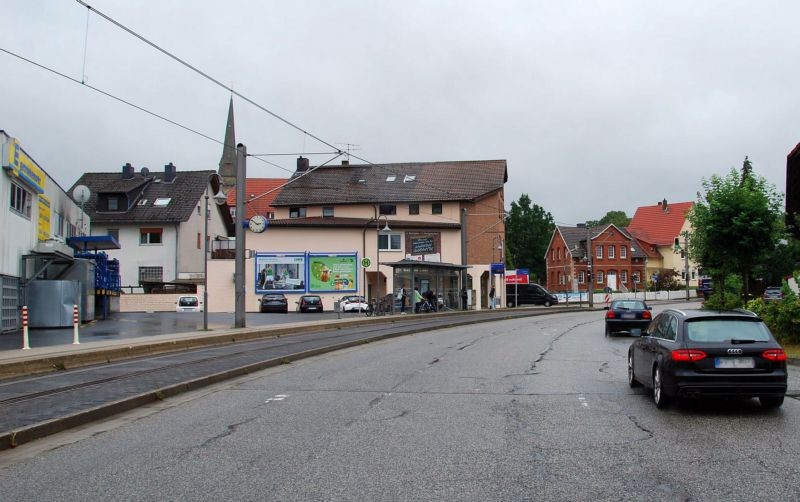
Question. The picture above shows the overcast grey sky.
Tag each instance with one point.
(596, 105)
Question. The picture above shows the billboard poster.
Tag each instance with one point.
(332, 272)
(280, 272)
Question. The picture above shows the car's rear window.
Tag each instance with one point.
(312, 299)
(722, 330)
(628, 304)
(273, 297)
(188, 301)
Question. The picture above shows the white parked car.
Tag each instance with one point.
(189, 303)
(353, 303)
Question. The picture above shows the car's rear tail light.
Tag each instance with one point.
(610, 314)
(688, 355)
(646, 314)
(774, 355)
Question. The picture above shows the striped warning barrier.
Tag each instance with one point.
(25, 340)
(75, 323)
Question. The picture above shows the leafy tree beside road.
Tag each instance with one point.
(736, 226)
(528, 231)
(618, 218)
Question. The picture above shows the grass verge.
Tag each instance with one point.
(792, 350)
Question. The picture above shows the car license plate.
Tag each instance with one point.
(734, 362)
(629, 316)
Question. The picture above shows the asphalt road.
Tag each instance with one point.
(529, 409)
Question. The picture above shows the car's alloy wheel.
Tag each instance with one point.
(510, 304)
(659, 397)
(631, 378)
(771, 401)
(547, 303)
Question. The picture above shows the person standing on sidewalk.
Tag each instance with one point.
(417, 300)
(491, 298)
(464, 298)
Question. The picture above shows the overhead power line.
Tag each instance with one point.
(245, 98)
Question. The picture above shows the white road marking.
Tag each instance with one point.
(278, 397)
(583, 401)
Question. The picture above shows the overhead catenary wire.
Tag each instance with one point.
(205, 75)
(232, 91)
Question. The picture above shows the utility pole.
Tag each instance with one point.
(590, 278)
(686, 261)
(239, 280)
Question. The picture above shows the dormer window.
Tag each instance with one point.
(113, 203)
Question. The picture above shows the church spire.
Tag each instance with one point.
(227, 164)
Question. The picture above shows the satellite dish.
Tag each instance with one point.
(81, 194)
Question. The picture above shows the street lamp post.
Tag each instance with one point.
(378, 232)
(501, 259)
(219, 199)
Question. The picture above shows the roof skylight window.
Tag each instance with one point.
(161, 202)
(409, 178)
(142, 202)
(391, 177)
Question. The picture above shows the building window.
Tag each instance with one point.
(297, 212)
(693, 275)
(59, 230)
(199, 239)
(113, 232)
(559, 253)
(150, 236)
(387, 209)
(600, 277)
(623, 252)
(581, 277)
(151, 274)
(271, 215)
(636, 277)
(623, 276)
(198, 210)
(611, 252)
(389, 242)
(21, 200)
(413, 209)
(113, 203)
(599, 252)
(436, 208)
(327, 211)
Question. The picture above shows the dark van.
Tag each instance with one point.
(528, 294)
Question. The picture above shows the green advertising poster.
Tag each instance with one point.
(332, 272)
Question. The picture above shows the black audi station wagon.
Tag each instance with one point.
(696, 353)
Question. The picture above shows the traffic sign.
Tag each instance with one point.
(366, 262)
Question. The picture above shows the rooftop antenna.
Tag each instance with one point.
(349, 147)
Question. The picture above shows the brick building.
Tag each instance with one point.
(617, 259)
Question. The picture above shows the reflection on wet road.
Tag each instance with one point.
(139, 324)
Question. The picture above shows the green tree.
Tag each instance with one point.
(618, 218)
(528, 231)
(735, 225)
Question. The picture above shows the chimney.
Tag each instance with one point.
(345, 162)
(127, 171)
(664, 205)
(169, 173)
(302, 164)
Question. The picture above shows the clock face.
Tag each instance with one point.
(257, 224)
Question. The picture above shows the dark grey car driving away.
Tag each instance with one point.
(697, 353)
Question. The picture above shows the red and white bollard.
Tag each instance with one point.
(75, 322)
(25, 340)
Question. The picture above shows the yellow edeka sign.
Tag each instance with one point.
(44, 217)
(24, 168)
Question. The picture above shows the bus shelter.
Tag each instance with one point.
(442, 279)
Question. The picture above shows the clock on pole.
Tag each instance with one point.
(257, 224)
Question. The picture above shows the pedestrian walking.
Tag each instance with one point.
(417, 300)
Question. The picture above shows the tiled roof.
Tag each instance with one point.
(184, 193)
(658, 226)
(356, 223)
(575, 239)
(433, 181)
(260, 194)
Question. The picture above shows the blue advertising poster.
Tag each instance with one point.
(285, 273)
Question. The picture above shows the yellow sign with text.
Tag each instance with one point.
(44, 218)
(24, 167)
